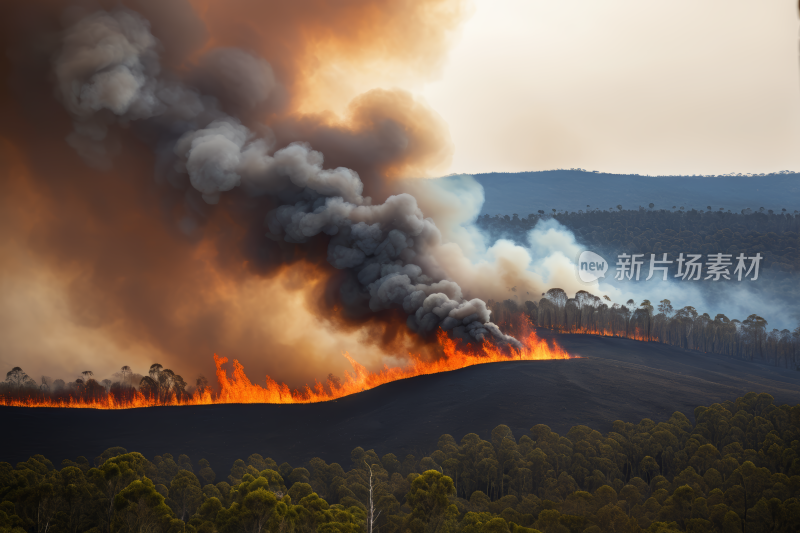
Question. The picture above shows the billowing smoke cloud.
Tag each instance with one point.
(498, 269)
(108, 63)
(243, 202)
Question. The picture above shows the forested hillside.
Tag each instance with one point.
(776, 236)
(736, 468)
(571, 189)
(659, 322)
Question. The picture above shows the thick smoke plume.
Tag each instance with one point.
(244, 206)
(108, 69)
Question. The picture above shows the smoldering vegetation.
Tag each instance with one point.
(585, 313)
(161, 384)
(127, 389)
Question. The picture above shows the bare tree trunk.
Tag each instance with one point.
(372, 516)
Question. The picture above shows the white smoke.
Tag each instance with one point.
(736, 300)
(501, 269)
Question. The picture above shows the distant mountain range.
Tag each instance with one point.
(571, 190)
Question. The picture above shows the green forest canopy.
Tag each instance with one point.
(736, 468)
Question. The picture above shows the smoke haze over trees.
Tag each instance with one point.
(646, 231)
(775, 235)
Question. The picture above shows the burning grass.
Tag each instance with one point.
(239, 389)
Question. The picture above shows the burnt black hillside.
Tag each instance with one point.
(616, 379)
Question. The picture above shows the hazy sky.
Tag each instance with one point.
(683, 86)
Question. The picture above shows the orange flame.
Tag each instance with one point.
(239, 389)
(635, 334)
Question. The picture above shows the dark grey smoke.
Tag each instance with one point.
(108, 72)
(239, 80)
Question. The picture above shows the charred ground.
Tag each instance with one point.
(615, 379)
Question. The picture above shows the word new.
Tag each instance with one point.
(592, 266)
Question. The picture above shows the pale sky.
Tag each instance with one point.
(678, 87)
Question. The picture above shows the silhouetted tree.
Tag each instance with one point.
(201, 384)
(18, 379)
